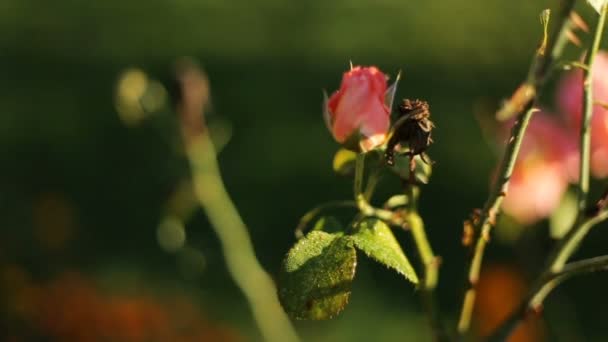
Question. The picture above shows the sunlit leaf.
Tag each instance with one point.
(316, 276)
(344, 161)
(377, 241)
(597, 4)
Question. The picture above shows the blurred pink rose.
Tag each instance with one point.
(570, 101)
(541, 172)
(358, 111)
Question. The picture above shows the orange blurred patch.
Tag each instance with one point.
(54, 221)
(499, 292)
(71, 308)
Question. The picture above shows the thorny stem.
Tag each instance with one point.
(539, 70)
(209, 188)
(488, 217)
(571, 241)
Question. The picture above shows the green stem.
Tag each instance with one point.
(539, 71)
(427, 257)
(488, 216)
(570, 242)
(362, 199)
(568, 271)
(430, 263)
(584, 266)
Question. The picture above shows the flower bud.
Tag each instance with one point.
(357, 114)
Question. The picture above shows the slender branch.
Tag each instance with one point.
(585, 135)
(570, 270)
(557, 265)
(212, 196)
(539, 71)
(575, 268)
(316, 211)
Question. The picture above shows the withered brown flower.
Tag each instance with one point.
(412, 129)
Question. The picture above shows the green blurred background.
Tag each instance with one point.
(82, 192)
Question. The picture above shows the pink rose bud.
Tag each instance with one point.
(358, 116)
(570, 101)
(541, 173)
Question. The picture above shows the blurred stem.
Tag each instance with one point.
(585, 135)
(572, 239)
(211, 194)
(243, 266)
(548, 280)
(539, 70)
(572, 269)
(488, 216)
(556, 267)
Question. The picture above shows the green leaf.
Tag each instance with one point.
(344, 162)
(376, 240)
(316, 276)
(329, 224)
